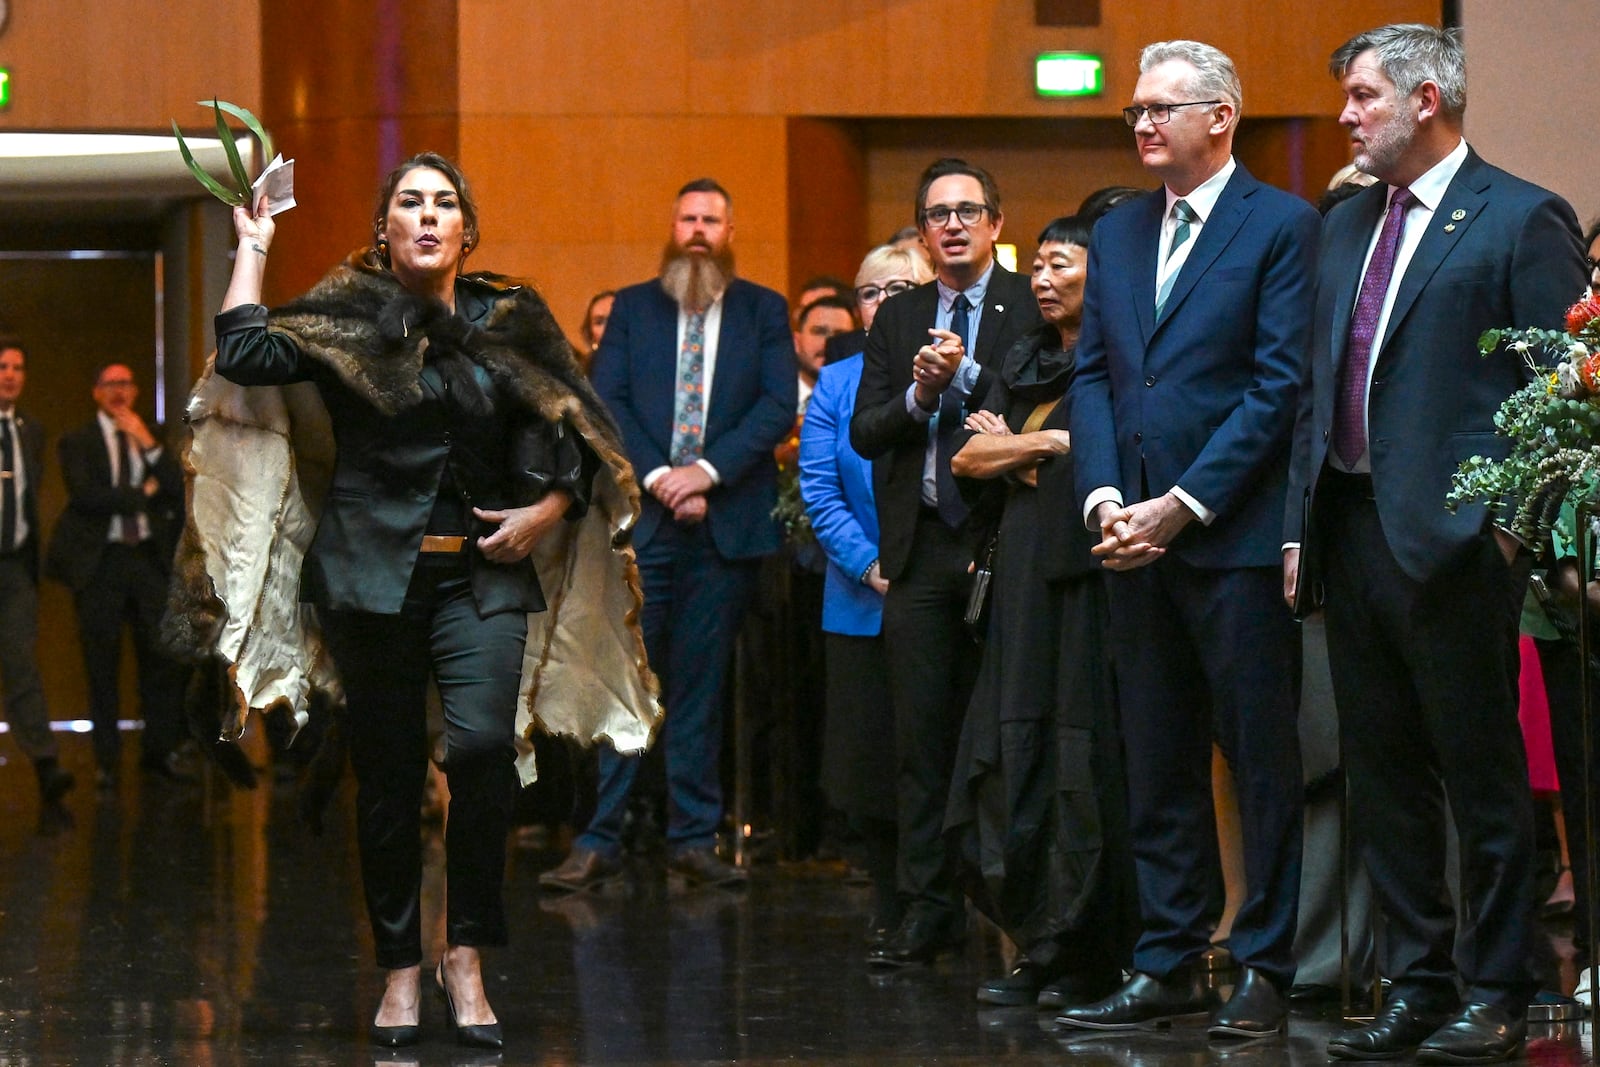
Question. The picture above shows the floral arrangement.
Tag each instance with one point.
(1553, 423)
(791, 509)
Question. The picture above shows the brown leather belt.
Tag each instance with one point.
(436, 543)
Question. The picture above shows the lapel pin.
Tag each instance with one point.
(1449, 227)
(1458, 215)
(999, 307)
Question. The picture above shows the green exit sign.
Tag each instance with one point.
(1068, 74)
(5, 88)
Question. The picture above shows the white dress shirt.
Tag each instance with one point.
(1202, 202)
(19, 474)
(139, 461)
(966, 376)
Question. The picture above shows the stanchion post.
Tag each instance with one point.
(1584, 543)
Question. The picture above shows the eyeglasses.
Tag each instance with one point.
(871, 294)
(968, 213)
(1160, 114)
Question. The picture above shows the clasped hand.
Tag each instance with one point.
(683, 490)
(520, 529)
(1138, 535)
(934, 365)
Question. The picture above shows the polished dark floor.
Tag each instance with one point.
(194, 925)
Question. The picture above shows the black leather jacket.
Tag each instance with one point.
(417, 471)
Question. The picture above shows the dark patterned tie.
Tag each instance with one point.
(952, 509)
(1350, 414)
(127, 525)
(8, 487)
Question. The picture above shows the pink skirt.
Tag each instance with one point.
(1534, 714)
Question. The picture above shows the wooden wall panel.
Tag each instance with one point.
(347, 115)
(583, 204)
(1043, 168)
(93, 65)
(874, 57)
(827, 226)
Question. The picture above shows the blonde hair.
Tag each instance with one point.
(889, 259)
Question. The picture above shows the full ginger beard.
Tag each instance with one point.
(692, 279)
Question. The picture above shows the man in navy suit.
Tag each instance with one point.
(697, 367)
(21, 467)
(1422, 604)
(1189, 363)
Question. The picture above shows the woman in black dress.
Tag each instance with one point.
(1037, 801)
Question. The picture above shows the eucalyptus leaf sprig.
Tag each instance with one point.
(239, 193)
(1552, 423)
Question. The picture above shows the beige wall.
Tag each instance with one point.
(1530, 92)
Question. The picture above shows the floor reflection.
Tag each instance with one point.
(200, 927)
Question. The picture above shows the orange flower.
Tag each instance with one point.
(1588, 370)
(1583, 313)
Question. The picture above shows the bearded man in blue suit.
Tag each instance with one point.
(697, 367)
(1195, 323)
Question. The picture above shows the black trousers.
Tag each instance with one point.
(1425, 678)
(384, 662)
(932, 665)
(129, 589)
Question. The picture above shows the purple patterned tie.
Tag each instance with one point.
(1350, 415)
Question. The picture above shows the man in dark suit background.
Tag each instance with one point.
(21, 467)
(697, 367)
(928, 357)
(113, 548)
(1422, 604)
(1189, 363)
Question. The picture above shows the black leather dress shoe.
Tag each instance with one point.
(702, 866)
(1478, 1033)
(1397, 1031)
(1079, 987)
(1256, 1009)
(918, 941)
(1144, 1001)
(1020, 986)
(880, 928)
(582, 869)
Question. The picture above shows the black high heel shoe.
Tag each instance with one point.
(396, 1036)
(478, 1035)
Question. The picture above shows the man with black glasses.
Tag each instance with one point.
(927, 364)
(1195, 322)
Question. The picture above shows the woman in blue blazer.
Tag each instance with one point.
(836, 485)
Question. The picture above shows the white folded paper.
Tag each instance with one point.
(277, 181)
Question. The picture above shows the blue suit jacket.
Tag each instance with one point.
(1514, 257)
(1206, 398)
(836, 484)
(753, 399)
